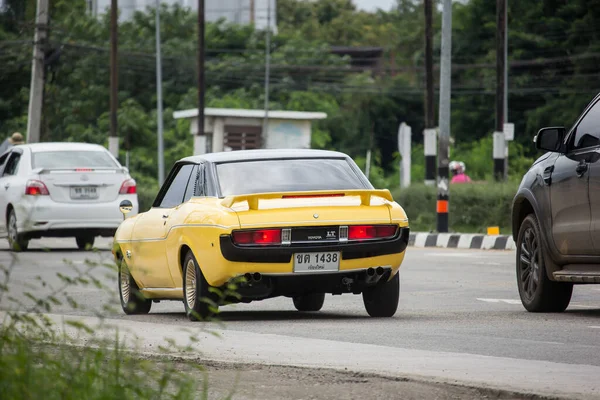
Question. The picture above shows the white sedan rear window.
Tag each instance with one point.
(73, 159)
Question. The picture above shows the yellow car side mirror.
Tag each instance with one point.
(125, 207)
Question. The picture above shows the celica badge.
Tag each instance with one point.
(315, 216)
(128, 253)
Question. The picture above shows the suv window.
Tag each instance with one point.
(12, 166)
(587, 133)
(174, 194)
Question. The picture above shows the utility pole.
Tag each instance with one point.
(200, 139)
(267, 71)
(113, 140)
(430, 132)
(159, 100)
(505, 108)
(252, 13)
(36, 90)
(499, 150)
(443, 193)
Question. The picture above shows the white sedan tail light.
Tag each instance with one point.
(36, 188)
(128, 187)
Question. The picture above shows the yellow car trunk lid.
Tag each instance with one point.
(311, 208)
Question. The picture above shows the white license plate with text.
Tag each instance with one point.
(317, 262)
(84, 192)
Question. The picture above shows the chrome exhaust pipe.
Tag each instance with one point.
(380, 271)
(252, 277)
(371, 271)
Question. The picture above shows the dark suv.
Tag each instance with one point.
(556, 215)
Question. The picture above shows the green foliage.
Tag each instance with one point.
(553, 49)
(473, 207)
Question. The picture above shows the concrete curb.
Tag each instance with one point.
(462, 241)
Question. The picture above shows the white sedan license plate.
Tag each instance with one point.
(84, 192)
(317, 262)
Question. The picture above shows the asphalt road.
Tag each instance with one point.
(451, 301)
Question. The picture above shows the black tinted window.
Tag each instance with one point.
(3, 160)
(191, 185)
(73, 159)
(12, 166)
(587, 133)
(286, 176)
(174, 195)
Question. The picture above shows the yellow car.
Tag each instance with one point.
(294, 223)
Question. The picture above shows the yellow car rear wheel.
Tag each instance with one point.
(309, 302)
(382, 300)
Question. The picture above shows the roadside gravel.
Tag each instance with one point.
(269, 382)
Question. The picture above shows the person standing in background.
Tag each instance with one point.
(458, 171)
(14, 140)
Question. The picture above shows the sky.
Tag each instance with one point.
(372, 5)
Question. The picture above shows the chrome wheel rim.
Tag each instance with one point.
(125, 288)
(529, 263)
(12, 228)
(190, 284)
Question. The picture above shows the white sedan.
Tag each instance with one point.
(62, 190)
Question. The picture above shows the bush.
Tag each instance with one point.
(472, 208)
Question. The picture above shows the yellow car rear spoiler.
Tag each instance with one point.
(253, 199)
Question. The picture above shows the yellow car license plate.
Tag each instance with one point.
(317, 262)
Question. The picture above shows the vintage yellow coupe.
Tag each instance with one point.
(295, 223)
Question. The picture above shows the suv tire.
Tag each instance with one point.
(538, 293)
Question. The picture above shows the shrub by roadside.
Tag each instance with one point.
(473, 207)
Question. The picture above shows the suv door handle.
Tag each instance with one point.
(7, 186)
(581, 168)
(548, 175)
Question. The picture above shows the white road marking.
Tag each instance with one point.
(512, 301)
(507, 301)
(451, 254)
(582, 306)
(594, 327)
(487, 263)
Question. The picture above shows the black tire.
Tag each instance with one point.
(132, 300)
(538, 293)
(381, 301)
(16, 241)
(200, 302)
(309, 302)
(85, 242)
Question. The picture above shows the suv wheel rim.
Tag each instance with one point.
(190, 284)
(12, 228)
(125, 290)
(529, 264)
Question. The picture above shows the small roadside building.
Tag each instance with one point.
(238, 129)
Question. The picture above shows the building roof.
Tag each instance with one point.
(246, 113)
(263, 154)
